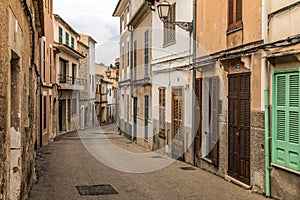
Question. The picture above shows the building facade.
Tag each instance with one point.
(106, 94)
(67, 62)
(49, 87)
(84, 94)
(91, 84)
(124, 10)
(283, 61)
(21, 25)
(139, 57)
(229, 89)
(172, 82)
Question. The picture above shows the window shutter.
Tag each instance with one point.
(214, 123)
(230, 14)
(239, 7)
(286, 141)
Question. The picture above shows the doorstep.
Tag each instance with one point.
(230, 179)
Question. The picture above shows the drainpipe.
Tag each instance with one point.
(265, 93)
(267, 146)
(193, 82)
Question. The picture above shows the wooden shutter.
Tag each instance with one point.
(162, 112)
(238, 12)
(286, 138)
(230, 14)
(214, 120)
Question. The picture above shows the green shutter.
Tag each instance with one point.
(286, 113)
(60, 35)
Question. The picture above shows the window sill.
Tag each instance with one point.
(162, 136)
(207, 160)
(167, 44)
(285, 168)
(234, 30)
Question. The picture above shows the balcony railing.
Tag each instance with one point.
(70, 80)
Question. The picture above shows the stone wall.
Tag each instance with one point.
(18, 100)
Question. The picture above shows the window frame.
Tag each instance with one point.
(60, 34)
(232, 18)
(162, 111)
(67, 42)
(278, 143)
(169, 33)
(146, 54)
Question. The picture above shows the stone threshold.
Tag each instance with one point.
(230, 179)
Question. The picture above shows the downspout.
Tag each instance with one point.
(193, 82)
(265, 93)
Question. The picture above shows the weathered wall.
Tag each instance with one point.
(18, 126)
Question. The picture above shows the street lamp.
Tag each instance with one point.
(163, 10)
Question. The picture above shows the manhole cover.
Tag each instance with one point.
(187, 168)
(96, 190)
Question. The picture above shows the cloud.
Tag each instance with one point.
(94, 18)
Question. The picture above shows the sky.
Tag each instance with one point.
(94, 18)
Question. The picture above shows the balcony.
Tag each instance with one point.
(70, 83)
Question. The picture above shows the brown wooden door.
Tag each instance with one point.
(239, 126)
(177, 125)
(198, 116)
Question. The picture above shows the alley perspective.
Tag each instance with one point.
(149, 99)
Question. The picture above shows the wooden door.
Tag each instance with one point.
(239, 126)
(198, 116)
(177, 125)
(135, 101)
(146, 117)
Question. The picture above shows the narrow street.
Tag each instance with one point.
(65, 163)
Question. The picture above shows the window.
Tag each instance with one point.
(285, 119)
(72, 42)
(60, 35)
(44, 60)
(234, 14)
(93, 83)
(162, 112)
(110, 92)
(210, 129)
(63, 71)
(67, 38)
(74, 106)
(127, 14)
(50, 63)
(122, 23)
(134, 59)
(74, 73)
(169, 26)
(45, 112)
(123, 56)
(146, 53)
(128, 53)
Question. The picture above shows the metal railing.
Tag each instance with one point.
(70, 80)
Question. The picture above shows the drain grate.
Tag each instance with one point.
(187, 168)
(156, 156)
(96, 190)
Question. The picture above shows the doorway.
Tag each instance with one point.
(239, 126)
(177, 135)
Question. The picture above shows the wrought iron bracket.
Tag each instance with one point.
(188, 26)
